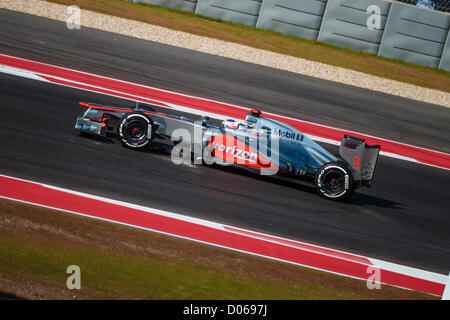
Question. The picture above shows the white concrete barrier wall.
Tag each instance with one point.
(415, 35)
(186, 5)
(300, 18)
(405, 32)
(445, 59)
(238, 11)
(349, 24)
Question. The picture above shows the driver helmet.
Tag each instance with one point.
(230, 124)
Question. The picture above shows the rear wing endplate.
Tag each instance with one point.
(361, 158)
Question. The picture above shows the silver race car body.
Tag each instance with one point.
(259, 144)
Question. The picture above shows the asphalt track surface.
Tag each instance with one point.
(403, 218)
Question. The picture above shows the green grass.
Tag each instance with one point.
(271, 41)
(118, 274)
(37, 245)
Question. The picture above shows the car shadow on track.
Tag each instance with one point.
(358, 199)
(106, 140)
(361, 199)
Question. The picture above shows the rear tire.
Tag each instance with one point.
(135, 131)
(334, 181)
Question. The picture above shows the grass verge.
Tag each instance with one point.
(271, 41)
(37, 245)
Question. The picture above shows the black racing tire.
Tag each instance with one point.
(135, 131)
(334, 181)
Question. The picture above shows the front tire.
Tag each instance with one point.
(135, 131)
(334, 181)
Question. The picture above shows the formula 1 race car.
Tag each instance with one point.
(259, 144)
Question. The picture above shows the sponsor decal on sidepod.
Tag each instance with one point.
(237, 153)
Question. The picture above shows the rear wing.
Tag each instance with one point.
(361, 158)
